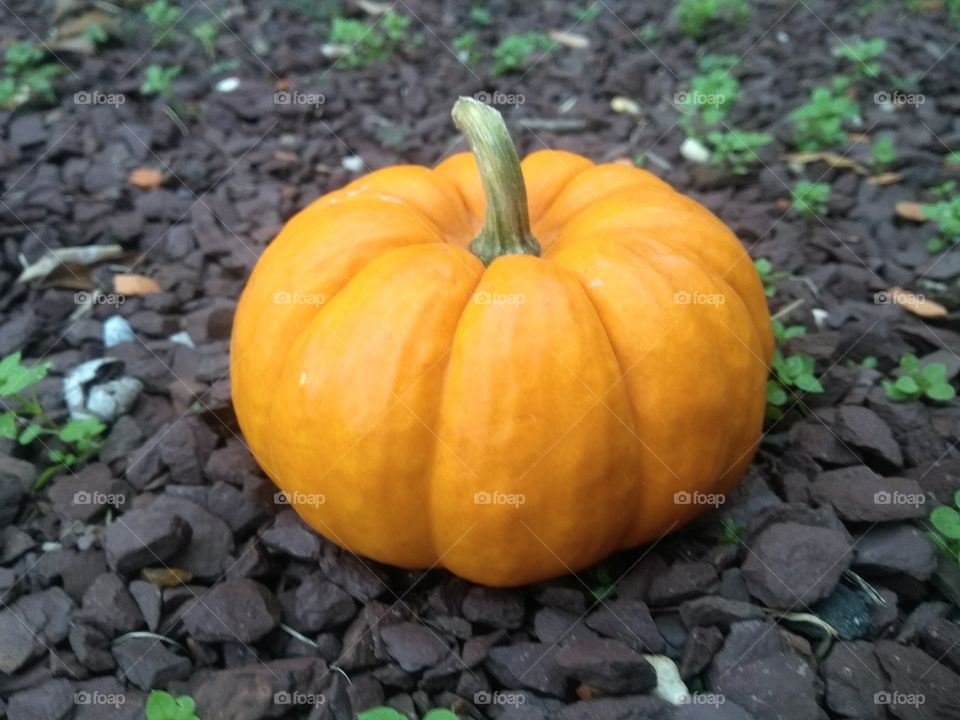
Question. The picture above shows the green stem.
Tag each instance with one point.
(506, 223)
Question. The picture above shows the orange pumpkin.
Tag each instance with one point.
(510, 376)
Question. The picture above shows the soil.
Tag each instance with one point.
(168, 561)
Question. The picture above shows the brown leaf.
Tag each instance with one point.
(917, 304)
(134, 285)
(887, 178)
(911, 211)
(145, 178)
(86, 255)
(166, 577)
(569, 39)
(831, 159)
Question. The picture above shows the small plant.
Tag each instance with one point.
(479, 15)
(713, 90)
(25, 419)
(602, 583)
(946, 214)
(157, 79)
(388, 713)
(163, 706)
(768, 276)
(366, 44)
(96, 34)
(206, 35)
(465, 45)
(587, 13)
(883, 153)
(732, 532)
(953, 158)
(946, 528)
(161, 16)
(915, 382)
(26, 78)
(736, 151)
(517, 52)
(789, 373)
(649, 33)
(698, 18)
(818, 124)
(864, 55)
(810, 199)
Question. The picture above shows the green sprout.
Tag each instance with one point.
(768, 276)
(883, 153)
(157, 79)
(161, 17)
(388, 713)
(467, 49)
(163, 706)
(946, 528)
(918, 381)
(518, 52)
(789, 373)
(810, 199)
(95, 33)
(479, 15)
(26, 78)
(25, 420)
(586, 14)
(713, 90)
(863, 54)
(946, 214)
(699, 18)
(818, 123)
(366, 43)
(206, 35)
(736, 151)
(732, 532)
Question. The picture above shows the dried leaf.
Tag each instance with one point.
(374, 8)
(887, 178)
(911, 211)
(86, 255)
(831, 159)
(917, 304)
(625, 105)
(145, 178)
(569, 39)
(166, 577)
(135, 285)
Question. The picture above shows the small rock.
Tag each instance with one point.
(234, 610)
(316, 605)
(792, 564)
(552, 626)
(865, 430)
(88, 493)
(494, 607)
(148, 664)
(781, 685)
(51, 700)
(141, 538)
(148, 599)
(16, 479)
(290, 536)
(619, 708)
(860, 495)
(915, 674)
(361, 579)
(92, 647)
(414, 646)
(852, 678)
(32, 624)
(682, 581)
(607, 665)
(702, 645)
(238, 510)
(527, 665)
(108, 605)
(211, 542)
(719, 611)
(941, 639)
(629, 621)
(896, 548)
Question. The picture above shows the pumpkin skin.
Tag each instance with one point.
(377, 363)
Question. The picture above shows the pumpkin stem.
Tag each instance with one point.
(506, 223)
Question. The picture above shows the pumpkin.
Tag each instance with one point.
(506, 369)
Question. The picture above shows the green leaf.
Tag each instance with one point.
(776, 395)
(30, 434)
(947, 521)
(794, 331)
(14, 376)
(381, 713)
(79, 430)
(907, 385)
(440, 714)
(956, 498)
(8, 425)
(942, 392)
(163, 706)
(892, 392)
(795, 366)
(909, 363)
(934, 373)
(808, 383)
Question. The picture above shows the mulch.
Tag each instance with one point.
(181, 535)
